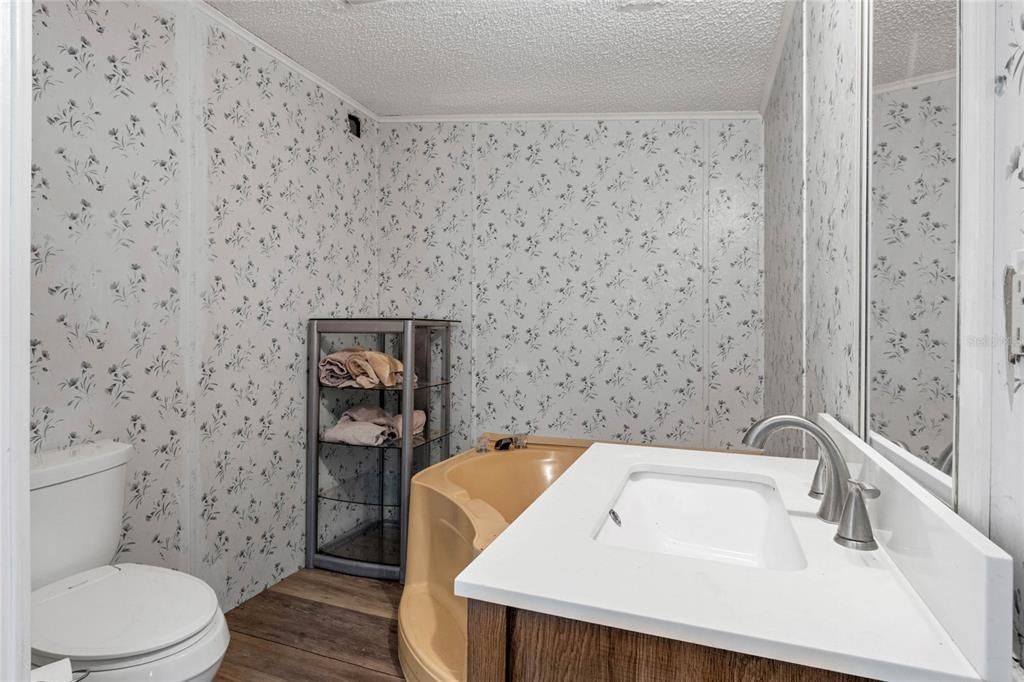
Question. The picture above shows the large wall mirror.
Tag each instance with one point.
(913, 233)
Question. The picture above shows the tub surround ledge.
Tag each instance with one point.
(845, 611)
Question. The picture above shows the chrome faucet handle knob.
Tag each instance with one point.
(867, 490)
(854, 529)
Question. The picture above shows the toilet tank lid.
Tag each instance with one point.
(59, 466)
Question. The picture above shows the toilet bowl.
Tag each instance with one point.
(121, 622)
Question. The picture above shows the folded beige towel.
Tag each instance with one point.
(377, 415)
(419, 420)
(371, 368)
(359, 433)
(367, 413)
(333, 371)
(360, 367)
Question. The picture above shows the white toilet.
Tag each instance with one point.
(124, 622)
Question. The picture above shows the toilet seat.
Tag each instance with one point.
(119, 616)
(204, 639)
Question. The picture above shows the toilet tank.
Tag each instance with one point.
(77, 498)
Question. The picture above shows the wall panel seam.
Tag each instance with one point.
(705, 267)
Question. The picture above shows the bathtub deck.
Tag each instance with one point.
(316, 625)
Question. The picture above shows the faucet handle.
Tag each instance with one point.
(867, 490)
(854, 529)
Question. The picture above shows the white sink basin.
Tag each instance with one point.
(717, 516)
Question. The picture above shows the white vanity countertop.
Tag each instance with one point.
(848, 611)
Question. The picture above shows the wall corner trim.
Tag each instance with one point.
(913, 82)
(788, 12)
(215, 15)
(580, 116)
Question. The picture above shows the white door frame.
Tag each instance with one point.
(15, 238)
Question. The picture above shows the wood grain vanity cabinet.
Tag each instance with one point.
(513, 645)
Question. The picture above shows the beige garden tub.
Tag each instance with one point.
(456, 509)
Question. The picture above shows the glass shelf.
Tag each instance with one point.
(351, 491)
(375, 541)
(394, 444)
(396, 389)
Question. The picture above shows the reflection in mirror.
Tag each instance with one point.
(913, 227)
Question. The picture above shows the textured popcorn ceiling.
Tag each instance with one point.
(913, 38)
(500, 57)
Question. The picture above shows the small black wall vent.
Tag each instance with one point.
(354, 125)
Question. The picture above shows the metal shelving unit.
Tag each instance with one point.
(357, 497)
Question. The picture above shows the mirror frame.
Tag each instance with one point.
(980, 290)
(943, 486)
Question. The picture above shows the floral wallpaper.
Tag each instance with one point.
(813, 224)
(426, 261)
(913, 266)
(735, 270)
(291, 223)
(1007, 469)
(188, 219)
(589, 250)
(784, 241)
(108, 223)
(608, 274)
(833, 213)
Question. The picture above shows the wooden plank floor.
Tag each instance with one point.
(316, 625)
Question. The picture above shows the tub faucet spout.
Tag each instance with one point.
(833, 480)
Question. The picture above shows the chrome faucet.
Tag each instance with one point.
(830, 479)
(842, 498)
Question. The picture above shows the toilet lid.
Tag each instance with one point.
(119, 611)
